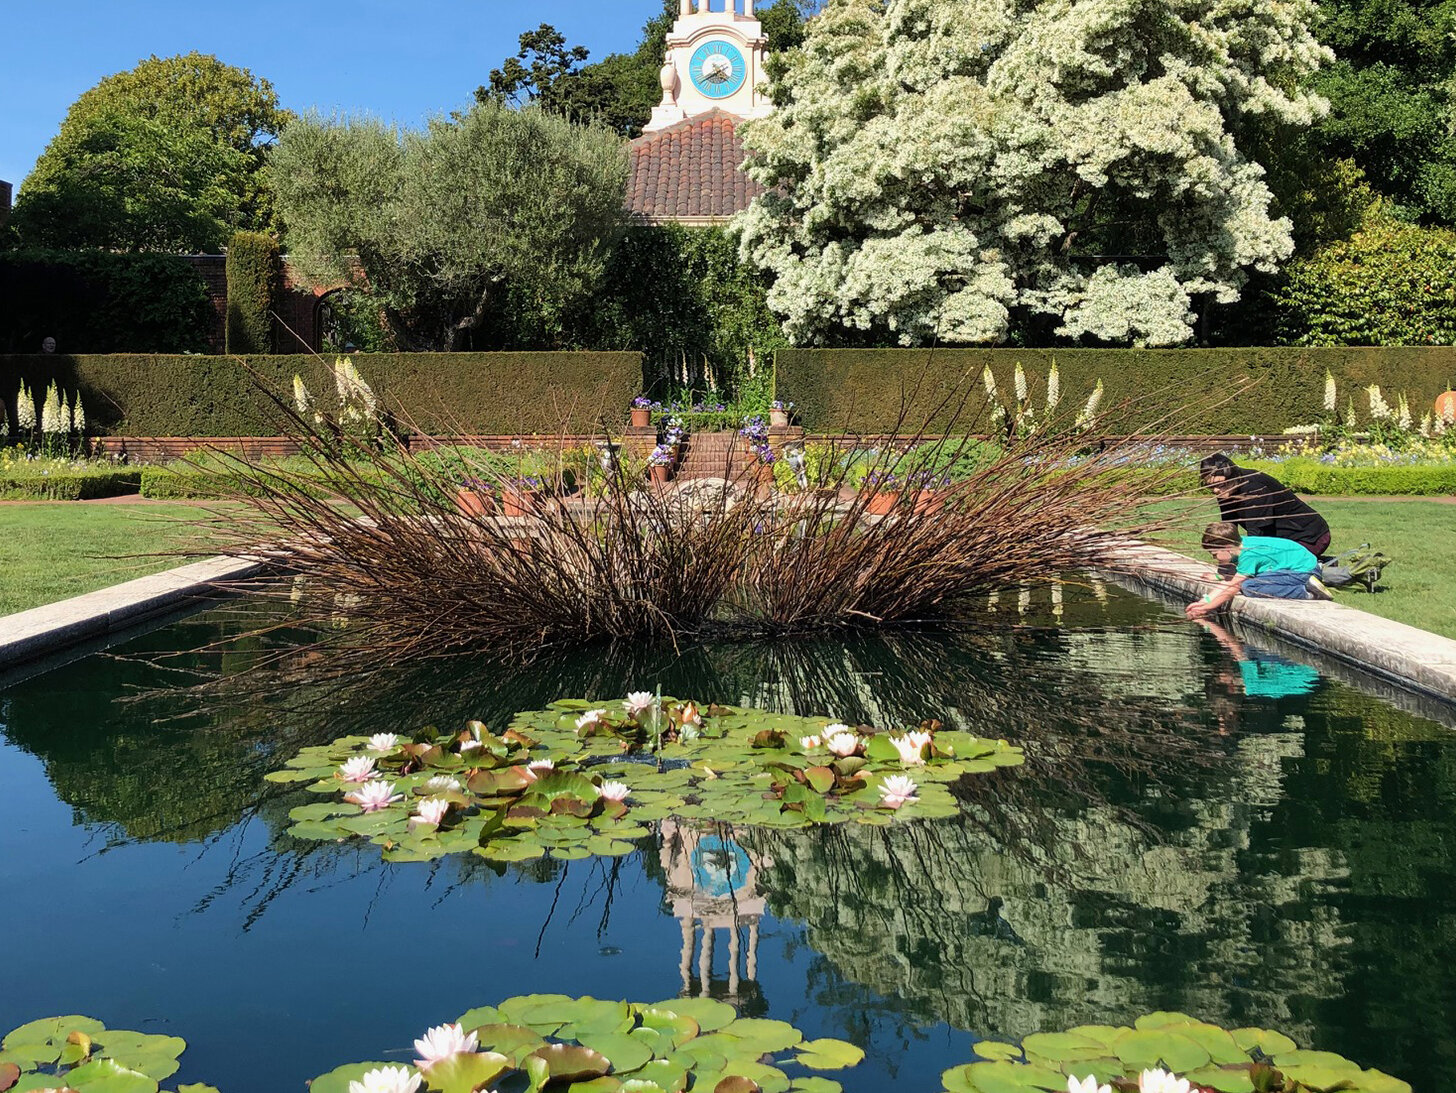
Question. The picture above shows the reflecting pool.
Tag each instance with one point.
(1202, 825)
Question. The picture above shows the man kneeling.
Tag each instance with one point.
(1278, 569)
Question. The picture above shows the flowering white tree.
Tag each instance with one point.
(936, 167)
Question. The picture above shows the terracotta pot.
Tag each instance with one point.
(519, 502)
(641, 417)
(659, 472)
(471, 502)
(1446, 405)
(882, 502)
(778, 418)
(929, 502)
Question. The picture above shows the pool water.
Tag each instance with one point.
(1200, 827)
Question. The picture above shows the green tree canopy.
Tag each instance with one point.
(938, 171)
(449, 223)
(164, 156)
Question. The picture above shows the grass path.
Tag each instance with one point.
(1420, 587)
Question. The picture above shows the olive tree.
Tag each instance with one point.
(948, 169)
(440, 226)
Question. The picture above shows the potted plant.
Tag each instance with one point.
(883, 488)
(754, 433)
(475, 498)
(763, 467)
(659, 463)
(521, 496)
(929, 490)
(778, 414)
(642, 408)
(672, 437)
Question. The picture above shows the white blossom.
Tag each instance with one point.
(1054, 389)
(1019, 382)
(52, 415)
(931, 164)
(25, 409)
(1379, 409)
(1331, 399)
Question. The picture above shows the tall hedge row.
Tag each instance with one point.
(429, 392)
(1194, 391)
(99, 302)
(254, 283)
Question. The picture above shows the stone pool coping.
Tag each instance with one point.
(1405, 655)
(28, 635)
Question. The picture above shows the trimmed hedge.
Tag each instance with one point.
(254, 283)
(78, 485)
(1312, 476)
(860, 390)
(439, 393)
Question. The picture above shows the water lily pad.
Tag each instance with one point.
(338, 1079)
(468, 1071)
(9, 1075)
(996, 1049)
(828, 1054)
(737, 1084)
(763, 1036)
(679, 1027)
(571, 1062)
(109, 1076)
(1265, 1041)
(1146, 1048)
(1002, 1077)
(1225, 1081)
(1056, 1047)
(626, 1053)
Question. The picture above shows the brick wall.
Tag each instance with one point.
(296, 332)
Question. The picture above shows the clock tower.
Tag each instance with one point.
(714, 62)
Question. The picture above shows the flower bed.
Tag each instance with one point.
(29, 477)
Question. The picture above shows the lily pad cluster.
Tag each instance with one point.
(81, 1053)
(587, 1045)
(1162, 1053)
(575, 780)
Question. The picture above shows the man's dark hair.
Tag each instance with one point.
(1221, 536)
(1217, 465)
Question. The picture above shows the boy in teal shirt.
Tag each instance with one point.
(1263, 566)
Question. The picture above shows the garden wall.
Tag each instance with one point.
(161, 396)
(862, 390)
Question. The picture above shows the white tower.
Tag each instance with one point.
(714, 61)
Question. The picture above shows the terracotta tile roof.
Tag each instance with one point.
(689, 172)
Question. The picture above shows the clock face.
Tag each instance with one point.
(717, 69)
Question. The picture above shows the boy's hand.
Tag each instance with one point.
(1197, 609)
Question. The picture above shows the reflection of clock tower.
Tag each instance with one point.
(685, 164)
(714, 62)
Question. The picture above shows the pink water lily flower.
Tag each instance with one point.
(809, 743)
(614, 791)
(387, 1079)
(591, 717)
(383, 741)
(373, 796)
(638, 703)
(690, 714)
(842, 744)
(358, 769)
(909, 749)
(834, 729)
(1086, 1085)
(443, 1042)
(897, 790)
(443, 783)
(1161, 1081)
(431, 810)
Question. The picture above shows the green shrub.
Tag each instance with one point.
(1189, 391)
(440, 393)
(99, 302)
(69, 485)
(1388, 284)
(1312, 476)
(254, 283)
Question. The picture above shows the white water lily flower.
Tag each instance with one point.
(443, 783)
(373, 796)
(1160, 1081)
(468, 745)
(432, 810)
(1086, 1085)
(383, 741)
(591, 717)
(897, 790)
(358, 769)
(809, 743)
(837, 727)
(387, 1079)
(614, 791)
(909, 748)
(842, 744)
(638, 702)
(443, 1042)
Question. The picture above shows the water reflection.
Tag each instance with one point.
(1179, 838)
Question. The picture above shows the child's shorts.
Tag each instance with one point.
(1278, 584)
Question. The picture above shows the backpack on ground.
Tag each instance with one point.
(1359, 566)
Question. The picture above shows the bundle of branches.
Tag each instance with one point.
(384, 552)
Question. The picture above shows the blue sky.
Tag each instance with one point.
(398, 59)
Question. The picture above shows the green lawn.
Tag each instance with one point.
(1419, 588)
(52, 550)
